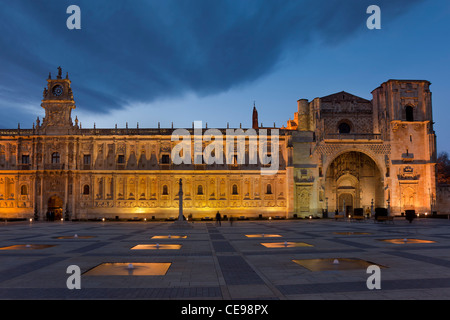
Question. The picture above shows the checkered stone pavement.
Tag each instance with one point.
(222, 263)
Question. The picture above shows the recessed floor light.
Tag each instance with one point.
(335, 264)
(285, 244)
(406, 241)
(158, 246)
(129, 269)
(27, 247)
(169, 237)
(263, 235)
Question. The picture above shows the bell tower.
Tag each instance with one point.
(58, 104)
(404, 116)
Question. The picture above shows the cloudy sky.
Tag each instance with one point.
(210, 60)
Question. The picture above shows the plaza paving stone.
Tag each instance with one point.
(222, 263)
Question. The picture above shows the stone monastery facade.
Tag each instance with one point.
(340, 152)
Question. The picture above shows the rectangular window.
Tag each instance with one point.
(199, 159)
(25, 159)
(87, 159)
(121, 158)
(165, 159)
(55, 157)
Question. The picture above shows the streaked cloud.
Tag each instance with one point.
(135, 51)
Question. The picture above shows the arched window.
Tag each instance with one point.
(269, 189)
(344, 128)
(165, 190)
(24, 190)
(55, 157)
(86, 189)
(235, 189)
(409, 111)
(200, 190)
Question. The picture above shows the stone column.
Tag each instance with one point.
(66, 157)
(66, 194)
(180, 201)
(75, 190)
(180, 223)
(41, 198)
(16, 190)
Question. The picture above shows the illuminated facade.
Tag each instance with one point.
(340, 152)
(350, 152)
(58, 169)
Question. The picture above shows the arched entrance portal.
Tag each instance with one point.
(54, 208)
(353, 180)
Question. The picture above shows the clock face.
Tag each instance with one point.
(57, 90)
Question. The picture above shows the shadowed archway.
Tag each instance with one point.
(353, 180)
(54, 208)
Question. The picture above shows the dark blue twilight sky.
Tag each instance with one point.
(209, 60)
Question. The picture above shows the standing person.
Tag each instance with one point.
(231, 221)
(218, 217)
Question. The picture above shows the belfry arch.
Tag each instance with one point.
(353, 180)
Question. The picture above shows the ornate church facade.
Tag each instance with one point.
(340, 152)
(350, 152)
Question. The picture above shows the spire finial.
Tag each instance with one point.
(255, 117)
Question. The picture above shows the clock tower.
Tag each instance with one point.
(58, 104)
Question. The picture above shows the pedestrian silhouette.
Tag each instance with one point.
(218, 218)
